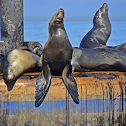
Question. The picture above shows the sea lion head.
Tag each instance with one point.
(9, 73)
(57, 19)
(11, 70)
(9, 77)
(101, 16)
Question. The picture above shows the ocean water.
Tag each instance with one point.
(76, 30)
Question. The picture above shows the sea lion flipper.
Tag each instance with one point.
(70, 83)
(42, 84)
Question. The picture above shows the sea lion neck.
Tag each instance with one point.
(56, 29)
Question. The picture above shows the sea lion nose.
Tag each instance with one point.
(61, 12)
(9, 79)
(104, 7)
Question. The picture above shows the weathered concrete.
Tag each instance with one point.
(11, 25)
(102, 101)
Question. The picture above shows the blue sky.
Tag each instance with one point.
(74, 9)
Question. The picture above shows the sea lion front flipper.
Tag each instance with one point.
(70, 83)
(42, 84)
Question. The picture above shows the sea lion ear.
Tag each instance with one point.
(70, 83)
(42, 84)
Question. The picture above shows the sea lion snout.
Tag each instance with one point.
(105, 5)
(59, 16)
(10, 77)
(104, 8)
(60, 13)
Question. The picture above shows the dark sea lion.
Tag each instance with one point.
(16, 62)
(56, 57)
(99, 34)
(98, 59)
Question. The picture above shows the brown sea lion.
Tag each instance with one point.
(56, 57)
(98, 59)
(16, 62)
(99, 34)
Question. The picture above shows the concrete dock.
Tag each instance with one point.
(101, 94)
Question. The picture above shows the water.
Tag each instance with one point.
(38, 31)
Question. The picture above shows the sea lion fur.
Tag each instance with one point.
(56, 57)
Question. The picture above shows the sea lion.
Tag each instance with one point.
(16, 62)
(35, 47)
(99, 34)
(98, 59)
(55, 59)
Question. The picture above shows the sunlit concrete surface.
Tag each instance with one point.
(102, 101)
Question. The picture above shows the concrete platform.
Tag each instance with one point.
(101, 94)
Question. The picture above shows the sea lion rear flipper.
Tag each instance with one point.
(42, 84)
(70, 83)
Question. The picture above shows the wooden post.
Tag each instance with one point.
(11, 25)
